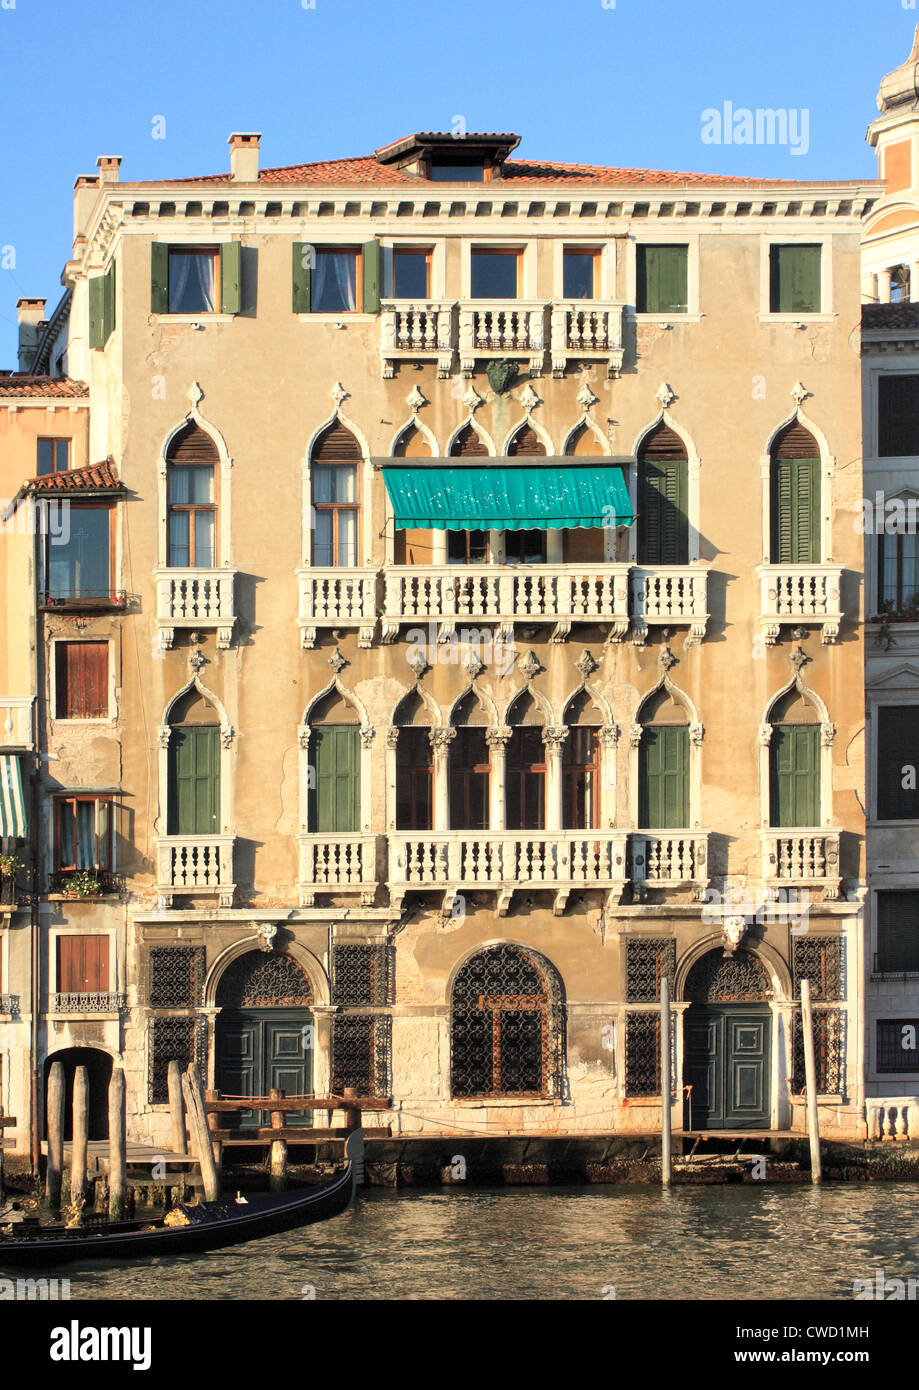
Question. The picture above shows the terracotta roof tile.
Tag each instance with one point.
(890, 316)
(19, 384)
(95, 477)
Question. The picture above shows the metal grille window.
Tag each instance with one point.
(727, 979)
(362, 975)
(829, 1048)
(176, 977)
(897, 1045)
(181, 1040)
(642, 1055)
(647, 962)
(506, 1026)
(820, 960)
(261, 980)
(361, 1052)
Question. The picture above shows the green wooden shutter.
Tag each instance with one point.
(795, 509)
(663, 777)
(370, 276)
(96, 311)
(231, 278)
(336, 793)
(794, 776)
(662, 286)
(108, 303)
(159, 278)
(663, 533)
(898, 747)
(898, 932)
(794, 279)
(194, 792)
(302, 277)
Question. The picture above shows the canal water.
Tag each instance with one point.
(556, 1243)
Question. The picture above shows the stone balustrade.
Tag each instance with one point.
(195, 864)
(893, 1117)
(336, 598)
(802, 858)
(195, 598)
(800, 594)
(337, 864)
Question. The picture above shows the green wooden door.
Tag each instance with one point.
(727, 1064)
(663, 535)
(794, 776)
(796, 511)
(194, 781)
(663, 777)
(335, 784)
(262, 1049)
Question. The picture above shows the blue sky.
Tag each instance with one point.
(579, 81)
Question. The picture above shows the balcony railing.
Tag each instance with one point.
(195, 598)
(505, 860)
(892, 1117)
(337, 864)
(337, 598)
(86, 1003)
(802, 858)
(16, 721)
(195, 864)
(502, 328)
(585, 330)
(796, 594)
(74, 598)
(412, 331)
(669, 859)
(670, 596)
(9, 1005)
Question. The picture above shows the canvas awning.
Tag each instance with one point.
(13, 820)
(543, 494)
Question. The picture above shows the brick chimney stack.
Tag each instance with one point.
(108, 166)
(244, 147)
(31, 317)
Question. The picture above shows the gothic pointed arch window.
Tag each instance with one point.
(581, 765)
(794, 763)
(193, 763)
(334, 777)
(335, 472)
(413, 545)
(414, 765)
(191, 499)
(525, 547)
(663, 764)
(506, 1025)
(469, 546)
(794, 481)
(525, 766)
(469, 767)
(663, 484)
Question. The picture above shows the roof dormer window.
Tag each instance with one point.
(452, 171)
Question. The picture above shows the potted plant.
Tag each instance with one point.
(9, 868)
(83, 883)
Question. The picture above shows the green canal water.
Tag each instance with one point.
(551, 1243)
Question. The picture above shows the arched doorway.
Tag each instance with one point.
(727, 1042)
(264, 1034)
(506, 1025)
(98, 1066)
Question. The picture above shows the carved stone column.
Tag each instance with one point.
(497, 742)
(440, 747)
(554, 739)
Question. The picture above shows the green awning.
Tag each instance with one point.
(513, 498)
(13, 821)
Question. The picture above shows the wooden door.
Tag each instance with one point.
(796, 511)
(82, 964)
(194, 791)
(794, 776)
(259, 1050)
(663, 777)
(335, 793)
(727, 1064)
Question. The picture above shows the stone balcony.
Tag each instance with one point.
(514, 328)
(16, 722)
(195, 598)
(792, 595)
(336, 598)
(195, 865)
(452, 862)
(669, 859)
(669, 596)
(802, 859)
(337, 864)
(416, 332)
(585, 330)
(892, 1117)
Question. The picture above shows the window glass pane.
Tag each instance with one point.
(898, 933)
(322, 540)
(347, 538)
(204, 540)
(898, 416)
(525, 547)
(894, 1052)
(44, 457)
(494, 275)
(86, 837)
(191, 484)
(103, 833)
(62, 455)
(334, 282)
(323, 482)
(79, 567)
(334, 482)
(66, 828)
(579, 275)
(192, 279)
(897, 751)
(410, 275)
(457, 173)
(179, 554)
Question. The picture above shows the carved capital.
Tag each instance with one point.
(765, 734)
(368, 733)
(553, 736)
(696, 734)
(392, 737)
(441, 739)
(609, 735)
(498, 736)
(227, 734)
(303, 735)
(635, 735)
(828, 734)
(164, 733)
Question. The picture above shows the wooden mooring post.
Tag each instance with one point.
(80, 1138)
(117, 1145)
(810, 1080)
(666, 1110)
(278, 1154)
(54, 1173)
(176, 1108)
(194, 1104)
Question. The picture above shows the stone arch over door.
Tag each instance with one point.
(728, 1029)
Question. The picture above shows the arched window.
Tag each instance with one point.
(506, 1025)
(193, 767)
(794, 763)
(525, 767)
(795, 498)
(334, 786)
(469, 768)
(414, 766)
(468, 547)
(468, 444)
(525, 547)
(663, 764)
(191, 499)
(581, 766)
(335, 474)
(663, 474)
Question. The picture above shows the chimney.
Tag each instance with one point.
(85, 193)
(244, 156)
(31, 316)
(108, 166)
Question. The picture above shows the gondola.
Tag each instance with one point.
(211, 1225)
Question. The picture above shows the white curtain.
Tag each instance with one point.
(191, 284)
(336, 280)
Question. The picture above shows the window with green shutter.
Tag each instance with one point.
(663, 535)
(196, 279)
(662, 279)
(794, 279)
(101, 307)
(304, 256)
(663, 777)
(335, 782)
(194, 780)
(794, 776)
(370, 276)
(231, 277)
(897, 761)
(897, 933)
(795, 511)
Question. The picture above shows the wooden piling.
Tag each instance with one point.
(278, 1158)
(666, 1110)
(194, 1105)
(54, 1173)
(354, 1144)
(117, 1143)
(80, 1137)
(176, 1108)
(213, 1122)
(810, 1080)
